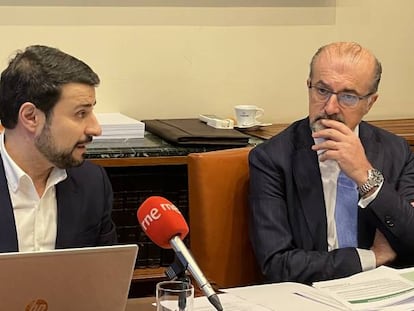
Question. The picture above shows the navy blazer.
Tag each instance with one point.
(84, 206)
(288, 226)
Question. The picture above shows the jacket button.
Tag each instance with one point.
(389, 223)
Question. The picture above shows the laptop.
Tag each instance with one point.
(81, 279)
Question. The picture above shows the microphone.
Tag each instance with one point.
(163, 223)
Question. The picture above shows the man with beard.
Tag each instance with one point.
(49, 196)
(330, 195)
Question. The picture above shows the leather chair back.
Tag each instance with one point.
(218, 217)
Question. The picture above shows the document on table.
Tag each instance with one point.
(229, 302)
(384, 289)
(285, 296)
(379, 289)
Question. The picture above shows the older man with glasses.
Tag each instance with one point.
(331, 195)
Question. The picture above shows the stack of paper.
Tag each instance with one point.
(115, 125)
(383, 288)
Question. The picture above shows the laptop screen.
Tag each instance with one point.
(96, 278)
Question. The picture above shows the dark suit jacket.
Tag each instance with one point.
(84, 205)
(288, 226)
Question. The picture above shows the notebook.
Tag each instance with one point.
(81, 279)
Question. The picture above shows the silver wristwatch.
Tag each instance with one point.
(375, 178)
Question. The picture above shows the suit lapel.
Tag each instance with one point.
(67, 216)
(375, 155)
(372, 146)
(309, 186)
(8, 233)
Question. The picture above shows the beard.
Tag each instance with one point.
(317, 126)
(60, 158)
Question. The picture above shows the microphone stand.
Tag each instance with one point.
(178, 268)
(177, 271)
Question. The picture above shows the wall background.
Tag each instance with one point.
(172, 59)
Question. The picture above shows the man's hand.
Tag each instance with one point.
(343, 146)
(383, 252)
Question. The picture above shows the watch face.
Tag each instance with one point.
(375, 177)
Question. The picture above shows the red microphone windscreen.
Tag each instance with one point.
(161, 221)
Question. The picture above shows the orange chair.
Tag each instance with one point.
(218, 216)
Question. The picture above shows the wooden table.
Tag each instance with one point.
(140, 304)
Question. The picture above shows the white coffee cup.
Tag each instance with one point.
(246, 115)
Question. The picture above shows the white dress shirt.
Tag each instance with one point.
(329, 172)
(35, 217)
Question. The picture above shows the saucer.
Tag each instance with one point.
(258, 124)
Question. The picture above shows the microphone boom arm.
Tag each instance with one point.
(183, 254)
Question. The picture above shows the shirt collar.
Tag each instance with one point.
(14, 173)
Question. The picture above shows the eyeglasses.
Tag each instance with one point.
(344, 99)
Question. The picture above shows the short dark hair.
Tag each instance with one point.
(37, 75)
